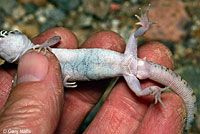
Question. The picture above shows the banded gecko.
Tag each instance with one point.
(96, 64)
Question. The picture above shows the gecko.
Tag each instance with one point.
(96, 64)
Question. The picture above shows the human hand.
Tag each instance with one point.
(38, 106)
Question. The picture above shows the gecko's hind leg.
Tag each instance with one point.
(68, 84)
(144, 22)
(46, 45)
(134, 85)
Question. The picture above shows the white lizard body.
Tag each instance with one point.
(95, 64)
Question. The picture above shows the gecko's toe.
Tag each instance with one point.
(158, 98)
(68, 84)
(138, 17)
(49, 49)
(156, 91)
(35, 47)
(143, 18)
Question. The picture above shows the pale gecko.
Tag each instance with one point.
(96, 64)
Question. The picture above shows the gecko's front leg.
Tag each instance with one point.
(46, 45)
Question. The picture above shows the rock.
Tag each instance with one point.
(30, 8)
(36, 2)
(1, 20)
(118, 1)
(115, 25)
(84, 20)
(40, 16)
(171, 17)
(55, 15)
(99, 8)
(66, 5)
(28, 18)
(48, 25)
(114, 7)
(18, 12)
(8, 6)
(49, 17)
(49, 14)
(134, 1)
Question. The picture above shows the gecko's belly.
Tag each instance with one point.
(84, 72)
(90, 64)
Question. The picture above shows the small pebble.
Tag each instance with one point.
(36, 2)
(84, 20)
(66, 5)
(18, 12)
(98, 8)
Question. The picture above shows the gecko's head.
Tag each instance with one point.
(12, 43)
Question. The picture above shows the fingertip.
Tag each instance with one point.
(106, 40)
(169, 120)
(5, 88)
(32, 70)
(158, 53)
(68, 38)
(43, 97)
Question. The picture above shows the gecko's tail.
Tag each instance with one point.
(178, 85)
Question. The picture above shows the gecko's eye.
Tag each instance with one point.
(3, 33)
(14, 32)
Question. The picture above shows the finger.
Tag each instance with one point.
(164, 121)
(106, 40)
(123, 111)
(68, 39)
(5, 86)
(7, 73)
(36, 102)
(80, 101)
(156, 52)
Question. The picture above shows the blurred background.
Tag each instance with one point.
(178, 26)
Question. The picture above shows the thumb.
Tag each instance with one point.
(35, 103)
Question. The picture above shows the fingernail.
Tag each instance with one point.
(32, 67)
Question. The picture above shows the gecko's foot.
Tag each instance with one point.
(40, 47)
(143, 18)
(156, 91)
(68, 84)
(143, 21)
(46, 45)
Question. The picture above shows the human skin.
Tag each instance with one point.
(41, 105)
